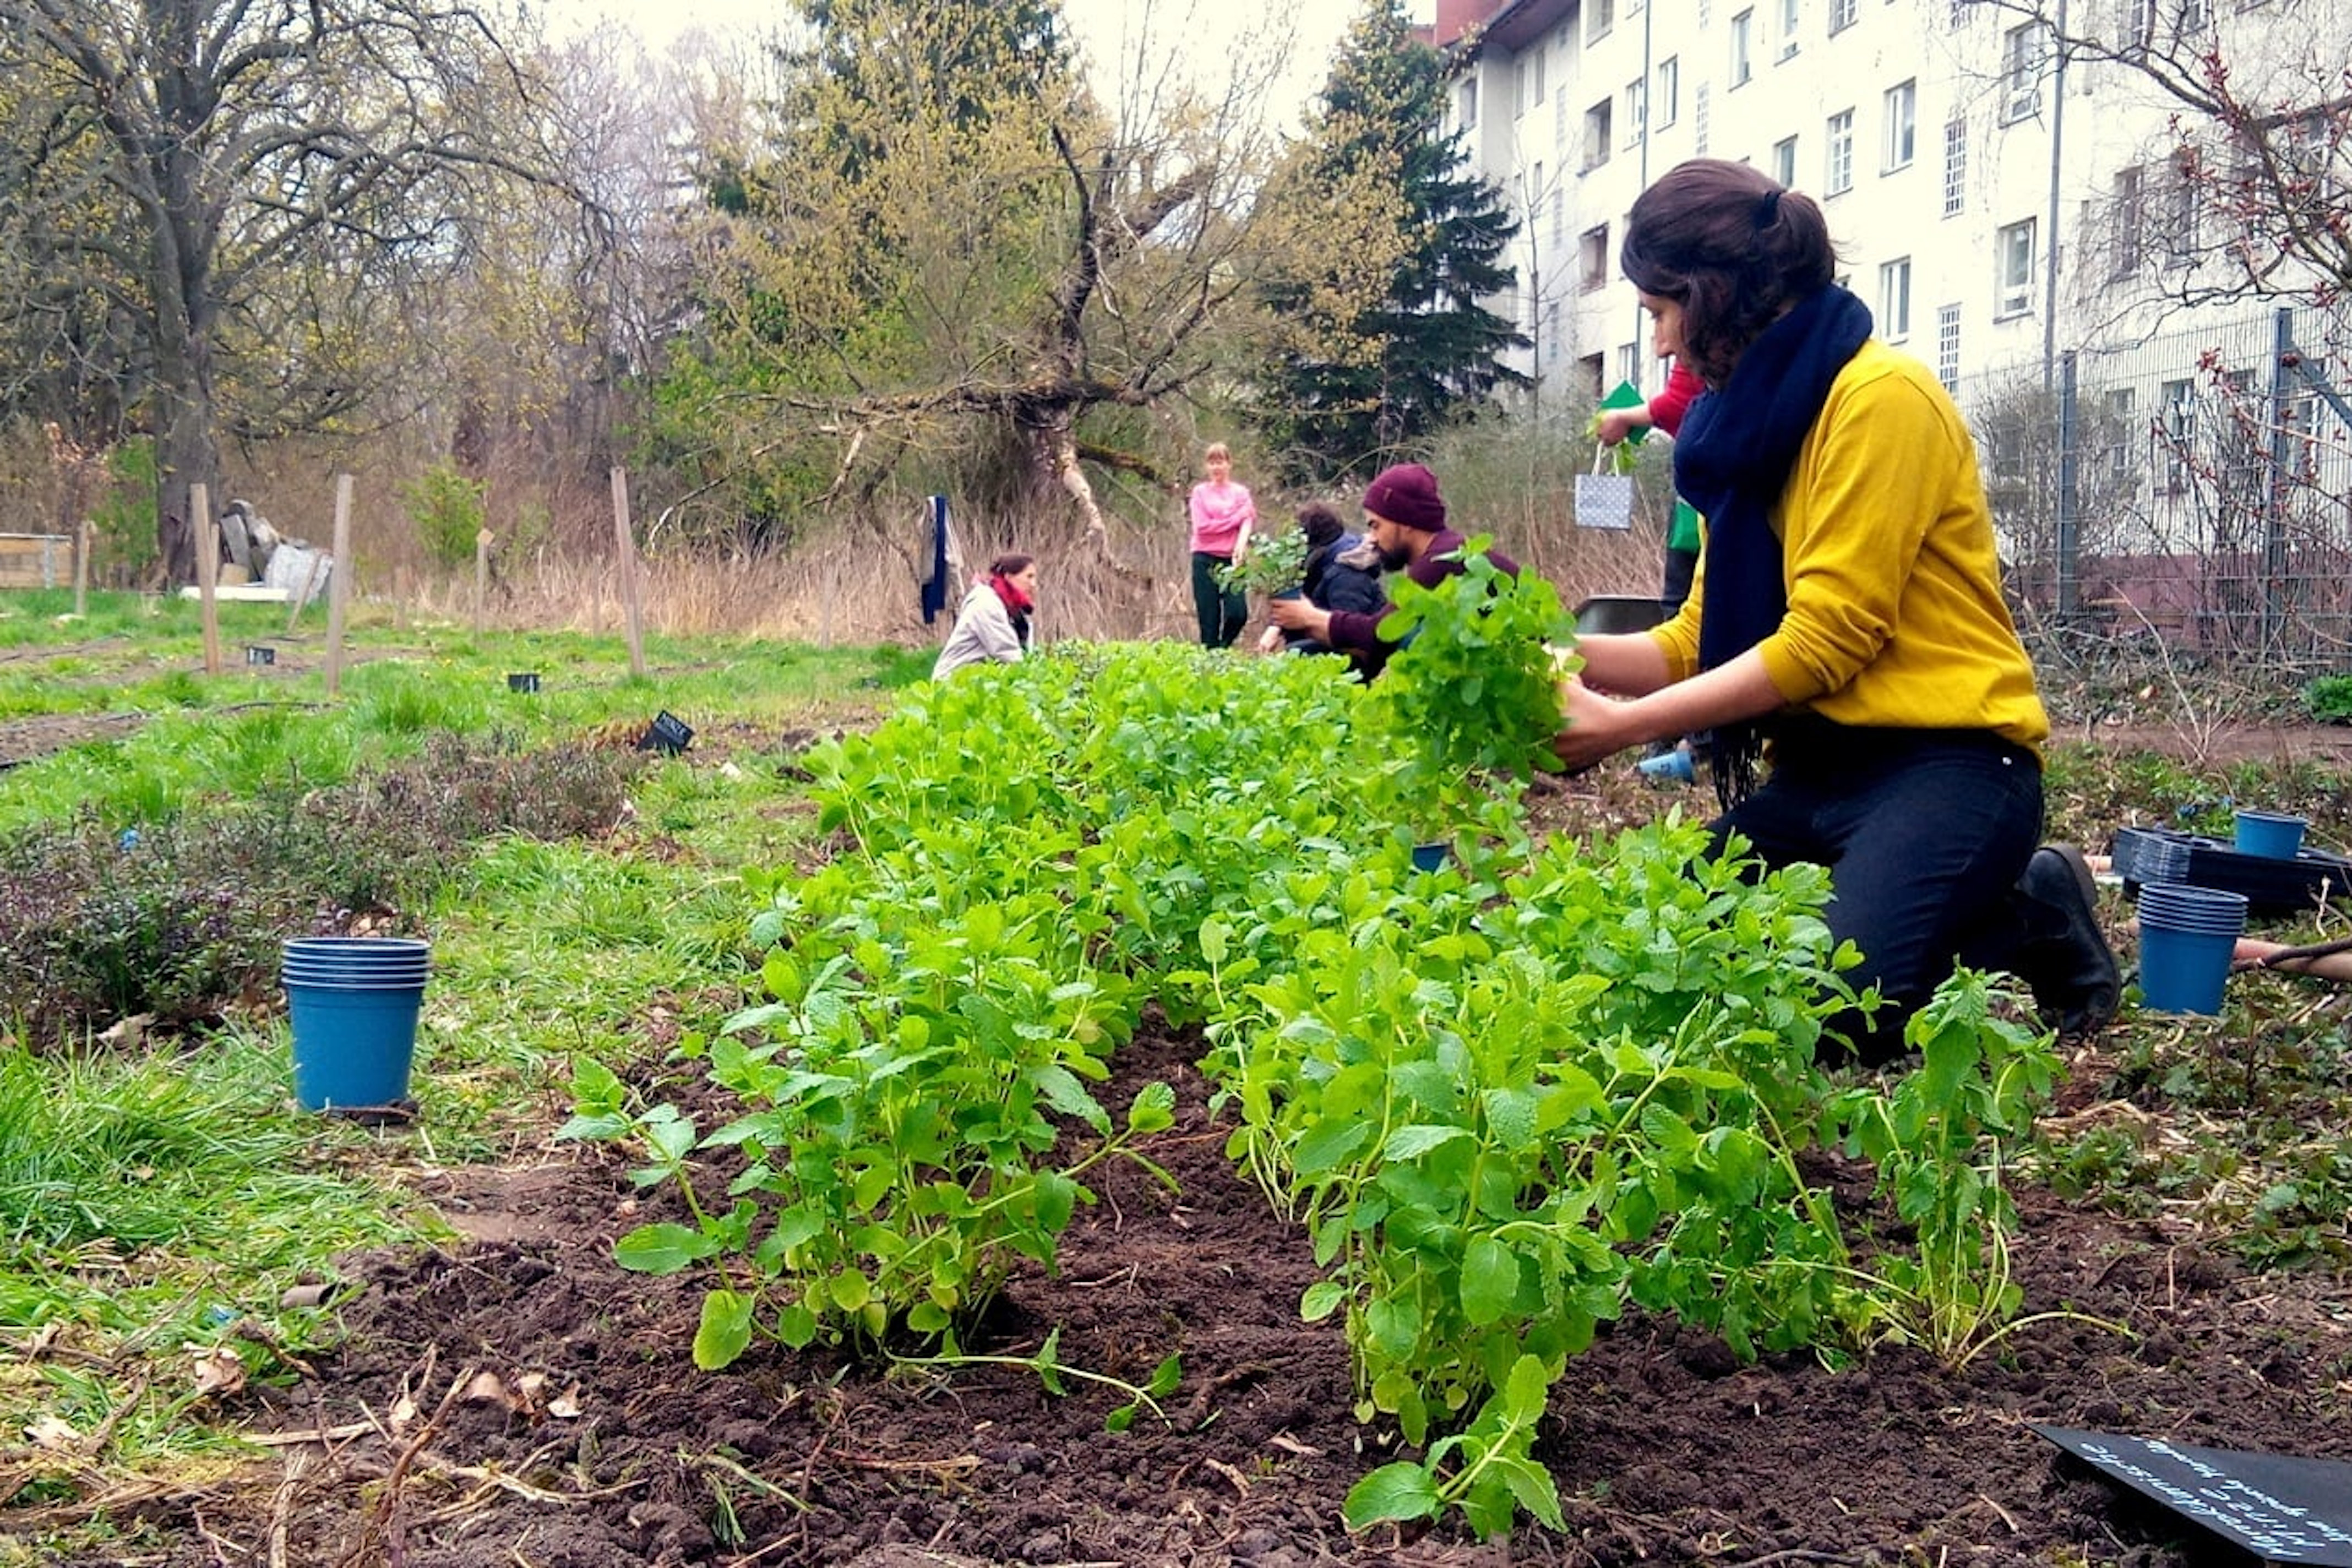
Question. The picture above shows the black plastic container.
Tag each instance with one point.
(667, 734)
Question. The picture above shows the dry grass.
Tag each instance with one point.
(864, 589)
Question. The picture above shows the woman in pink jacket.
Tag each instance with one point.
(1222, 515)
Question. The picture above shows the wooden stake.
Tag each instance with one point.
(200, 502)
(481, 575)
(632, 607)
(338, 583)
(81, 570)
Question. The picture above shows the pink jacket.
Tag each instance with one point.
(1219, 513)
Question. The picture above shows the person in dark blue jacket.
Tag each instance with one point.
(1342, 572)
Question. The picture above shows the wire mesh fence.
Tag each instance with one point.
(2194, 487)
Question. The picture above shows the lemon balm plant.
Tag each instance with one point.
(1473, 694)
(1275, 563)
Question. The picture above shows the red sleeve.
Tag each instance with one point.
(1683, 388)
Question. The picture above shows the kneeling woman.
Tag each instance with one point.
(1847, 622)
(992, 623)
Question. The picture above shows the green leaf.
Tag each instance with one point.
(850, 1290)
(1411, 1142)
(725, 1331)
(1166, 1376)
(1321, 1300)
(1397, 1491)
(1490, 1279)
(1153, 1109)
(1328, 1142)
(1057, 1196)
(796, 1326)
(662, 1248)
(1066, 1094)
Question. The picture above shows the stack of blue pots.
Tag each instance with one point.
(354, 1003)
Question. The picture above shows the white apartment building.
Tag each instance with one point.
(1968, 175)
(2001, 206)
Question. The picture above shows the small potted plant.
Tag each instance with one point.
(1474, 691)
(1274, 564)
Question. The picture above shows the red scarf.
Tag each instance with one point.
(1014, 599)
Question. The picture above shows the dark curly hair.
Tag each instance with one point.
(1733, 248)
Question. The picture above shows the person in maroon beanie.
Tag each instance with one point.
(1404, 518)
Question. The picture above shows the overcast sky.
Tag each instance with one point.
(1205, 29)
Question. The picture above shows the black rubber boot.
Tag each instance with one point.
(2065, 958)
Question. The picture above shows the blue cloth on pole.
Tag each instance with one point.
(935, 587)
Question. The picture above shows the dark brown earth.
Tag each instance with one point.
(515, 1399)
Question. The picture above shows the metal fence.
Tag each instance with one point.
(2194, 485)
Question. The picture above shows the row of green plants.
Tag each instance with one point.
(1508, 1101)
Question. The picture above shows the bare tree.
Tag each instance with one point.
(251, 183)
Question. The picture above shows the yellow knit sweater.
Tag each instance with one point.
(1895, 616)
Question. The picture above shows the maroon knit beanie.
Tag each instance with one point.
(1407, 494)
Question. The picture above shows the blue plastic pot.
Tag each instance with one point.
(352, 1047)
(1431, 857)
(2187, 937)
(354, 1002)
(2272, 834)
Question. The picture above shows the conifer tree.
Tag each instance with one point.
(1386, 340)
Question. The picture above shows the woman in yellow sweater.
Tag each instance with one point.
(1847, 624)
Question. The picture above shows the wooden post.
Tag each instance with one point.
(81, 570)
(338, 583)
(632, 606)
(402, 586)
(200, 503)
(481, 575)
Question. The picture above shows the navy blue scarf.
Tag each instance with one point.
(1732, 461)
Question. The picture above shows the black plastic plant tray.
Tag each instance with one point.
(2272, 885)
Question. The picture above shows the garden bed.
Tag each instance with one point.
(517, 1399)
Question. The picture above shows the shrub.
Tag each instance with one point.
(183, 920)
(448, 509)
(2329, 699)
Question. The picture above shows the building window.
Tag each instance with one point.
(1600, 15)
(2175, 435)
(2129, 218)
(1956, 167)
(1535, 67)
(1596, 135)
(1837, 173)
(2134, 24)
(1669, 91)
(2115, 413)
(1948, 346)
(1894, 301)
(1637, 112)
(1789, 17)
(1592, 260)
(1629, 363)
(1742, 26)
(1841, 15)
(1468, 112)
(1559, 215)
(1902, 126)
(2020, 73)
(1784, 162)
(1698, 120)
(2180, 215)
(2013, 246)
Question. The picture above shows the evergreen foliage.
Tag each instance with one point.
(1360, 375)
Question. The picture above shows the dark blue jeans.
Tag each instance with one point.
(1925, 834)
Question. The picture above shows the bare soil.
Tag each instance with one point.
(514, 1398)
